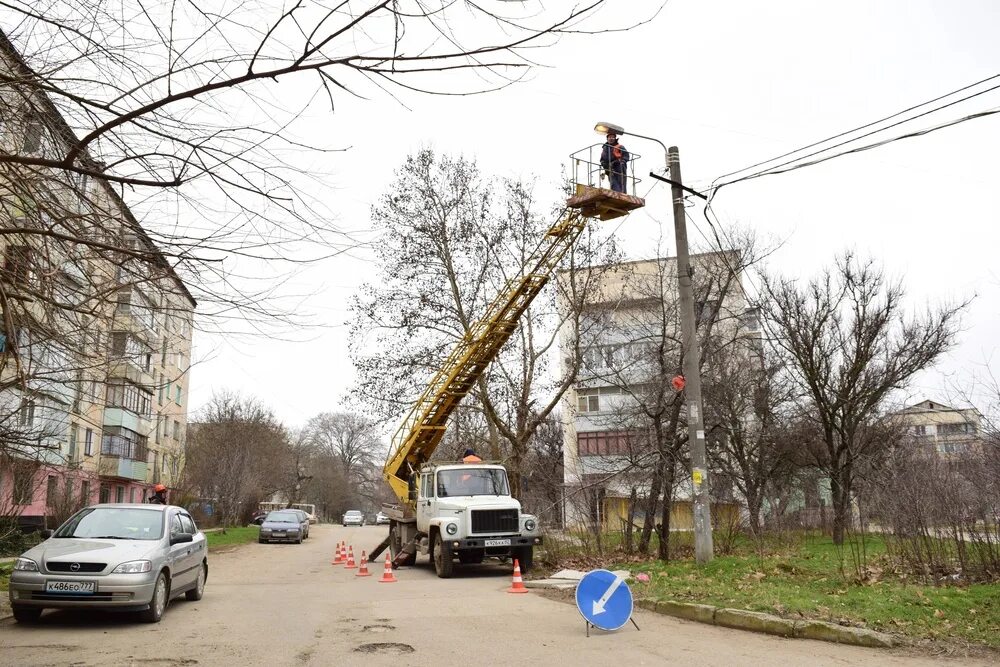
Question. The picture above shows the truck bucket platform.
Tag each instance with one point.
(603, 203)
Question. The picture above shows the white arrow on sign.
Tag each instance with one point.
(599, 604)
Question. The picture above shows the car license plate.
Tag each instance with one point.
(498, 543)
(277, 534)
(73, 587)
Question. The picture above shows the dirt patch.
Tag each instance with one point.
(385, 648)
(379, 628)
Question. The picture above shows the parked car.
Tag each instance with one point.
(353, 518)
(303, 520)
(381, 518)
(282, 526)
(258, 518)
(117, 556)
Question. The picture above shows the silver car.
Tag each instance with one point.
(122, 557)
(282, 526)
(353, 518)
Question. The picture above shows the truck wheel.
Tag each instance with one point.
(524, 556)
(471, 556)
(443, 564)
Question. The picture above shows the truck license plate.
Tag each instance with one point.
(74, 587)
(497, 543)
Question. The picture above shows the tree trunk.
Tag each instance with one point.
(753, 511)
(663, 549)
(841, 505)
(632, 499)
(652, 500)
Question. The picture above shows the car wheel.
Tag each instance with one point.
(198, 591)
(298, 540)
(27, 614)
(159, 601)
(443, 563)
(261, 540)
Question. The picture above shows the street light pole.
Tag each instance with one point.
(692, 369)
(692, 355)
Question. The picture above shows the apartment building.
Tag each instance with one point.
(96, 328)
(951, 433)
(628, 341)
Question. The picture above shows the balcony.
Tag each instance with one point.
(127, 419)
(124, 458)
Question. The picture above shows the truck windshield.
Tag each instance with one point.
(474, 482)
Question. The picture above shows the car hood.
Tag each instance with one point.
(91, 550)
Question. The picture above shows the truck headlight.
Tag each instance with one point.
(133, 567)
(530, 525)
(25, 565)
(451, 528)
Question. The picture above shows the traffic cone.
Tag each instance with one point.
(350, 565)
(338, 557)
(517, 586)
(363, 571)
(387, 576)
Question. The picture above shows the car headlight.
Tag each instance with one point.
(25, 565)
(530, 525)
(451, 528)
(133, 567)
(293, 530)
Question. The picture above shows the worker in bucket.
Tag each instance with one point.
(614, 161)
(470, 457)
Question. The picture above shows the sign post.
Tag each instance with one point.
(604, 600)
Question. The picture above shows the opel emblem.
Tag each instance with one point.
(75, 567)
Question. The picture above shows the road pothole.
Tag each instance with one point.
(385, 648)
(379, 628)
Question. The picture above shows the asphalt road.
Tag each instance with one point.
(286, 605)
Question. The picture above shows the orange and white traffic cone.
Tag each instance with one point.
(350, 565)
(387, 576)
(363, 570)
(518, 584)
(338, 558)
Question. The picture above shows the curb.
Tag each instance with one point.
(755, 621)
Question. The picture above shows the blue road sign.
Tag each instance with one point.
(604, 599)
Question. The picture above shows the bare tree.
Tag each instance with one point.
(850, 344)
(236, 454)
(451, 243)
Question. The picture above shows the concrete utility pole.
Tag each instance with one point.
(692, 369)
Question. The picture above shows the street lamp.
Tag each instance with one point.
(689, 339)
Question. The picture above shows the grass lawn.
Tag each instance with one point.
(812, 578)
(232, 536)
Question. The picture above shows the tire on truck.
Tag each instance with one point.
(525, 557)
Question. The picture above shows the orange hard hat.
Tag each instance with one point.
(159, 487)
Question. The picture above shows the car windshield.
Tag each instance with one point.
(473, 482)
(354, 514)
(120, 523)
(282, 517)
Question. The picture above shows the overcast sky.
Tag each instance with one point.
(731, 83)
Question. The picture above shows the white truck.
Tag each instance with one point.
(463, 511)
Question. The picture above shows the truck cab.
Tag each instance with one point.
(464, 511)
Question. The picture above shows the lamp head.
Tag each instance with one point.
(609, 128)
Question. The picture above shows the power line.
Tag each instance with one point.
(867, 125)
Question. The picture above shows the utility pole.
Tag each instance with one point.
(692, 369)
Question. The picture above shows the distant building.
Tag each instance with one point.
(95, 338)
(628, 328)
(952, 433)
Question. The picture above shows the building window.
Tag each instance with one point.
(51, 489)
(920, 430)
(26, 417)
(177, 430)
(588, 400)
(954, 429)
(128, 396)
(177, 394)
(85, 492)
(17, 265)
(105, 494)
(131, 495)
(119, 494)
(603, 443)
(88, 442)
(119, 441)
(74, 435)
(32, 136)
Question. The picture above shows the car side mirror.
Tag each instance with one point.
(180, 538)
(45, 534)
